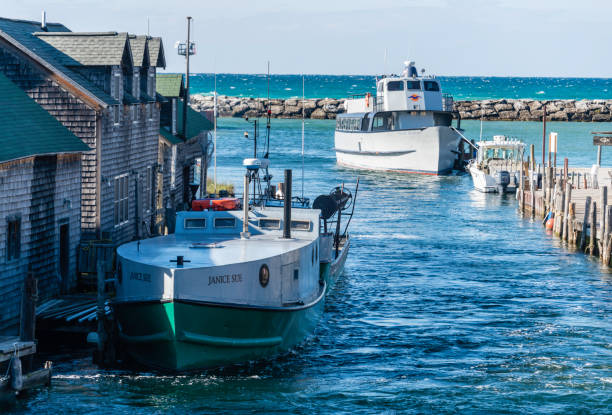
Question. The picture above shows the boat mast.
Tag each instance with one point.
(269, 113)
(215, 131)
(303, 102)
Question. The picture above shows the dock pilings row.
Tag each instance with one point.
(575, 200)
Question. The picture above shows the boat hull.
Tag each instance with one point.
(486, 183)
(431, 150)
(331, 271)
(184, 336)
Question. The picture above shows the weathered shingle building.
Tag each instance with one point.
(179, 151)
(101, 86)
(40, 184)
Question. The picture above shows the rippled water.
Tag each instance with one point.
(450, 303)
(461, 87)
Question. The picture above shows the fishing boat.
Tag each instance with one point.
(497, 166)
(407, 127)
(239, 280)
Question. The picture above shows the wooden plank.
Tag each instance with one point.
(10, 346)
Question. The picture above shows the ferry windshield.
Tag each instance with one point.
(413, 85)
(431, 86)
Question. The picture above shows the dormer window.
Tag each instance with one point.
(136, 84)
(117, 84)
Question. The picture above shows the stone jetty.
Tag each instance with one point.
(490, 110)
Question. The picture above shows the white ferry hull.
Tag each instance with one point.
(431, 150)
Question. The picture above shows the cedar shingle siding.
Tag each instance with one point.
(80, 79)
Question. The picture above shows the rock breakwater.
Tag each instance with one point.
(490, 110)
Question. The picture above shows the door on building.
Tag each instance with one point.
(64, 252)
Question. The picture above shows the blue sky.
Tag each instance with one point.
(447, 37)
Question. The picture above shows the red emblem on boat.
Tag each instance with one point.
(414, 97)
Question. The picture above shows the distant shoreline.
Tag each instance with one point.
(597, 110)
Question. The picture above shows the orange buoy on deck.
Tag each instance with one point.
(550, 223)
(221, 203)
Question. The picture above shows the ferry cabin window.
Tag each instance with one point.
(383, 122)
(225, 222)
(413, 85)
(395, 86)
(348, 124)
(195, 223)
(431, 86)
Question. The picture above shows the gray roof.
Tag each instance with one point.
(140, 50)
(90, 49)
(156, 52)
(20, 34)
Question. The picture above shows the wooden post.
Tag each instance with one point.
(532, 157)
(27, 323)
(593, 226)
(585, 223)
(534, 185)
(565, 168)
(549, 185)
(568, 197)
(607, 250)
(571, 224)
(101, 275)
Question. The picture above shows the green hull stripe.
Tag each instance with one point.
(230, 342)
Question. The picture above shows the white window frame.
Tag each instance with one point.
(121, 200)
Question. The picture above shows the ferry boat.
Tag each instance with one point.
(230, 285)
(407, 127)
(497, 166)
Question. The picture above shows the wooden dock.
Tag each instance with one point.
(576, 202)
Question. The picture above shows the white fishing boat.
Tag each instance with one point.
(497, 166)
(407, 127)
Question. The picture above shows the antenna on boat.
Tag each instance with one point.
(269, 112)
(385, 62)
(215, 128)
(481, 116)
(303, 103)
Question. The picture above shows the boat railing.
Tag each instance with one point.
(447, 102)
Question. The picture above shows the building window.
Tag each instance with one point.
(150, 107)
(13, 240)
(116, 114)
(117, 85)
(136, 113)
(121, 199)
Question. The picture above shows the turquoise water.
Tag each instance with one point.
(461, 87)
(450, 303)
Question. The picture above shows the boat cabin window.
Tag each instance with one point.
(300, 225)
(195, 223)
(349, 124)
(413, 85)
(382, 121)
(395, 86)
(431, 86)
(269, 223)
(501, 153)
(225, 223)
(380, 87)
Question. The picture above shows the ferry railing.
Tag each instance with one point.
(379, 103)
(447, 102)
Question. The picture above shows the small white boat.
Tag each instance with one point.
(407, 127)
(497, 166)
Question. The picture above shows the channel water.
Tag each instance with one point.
(450, 303)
